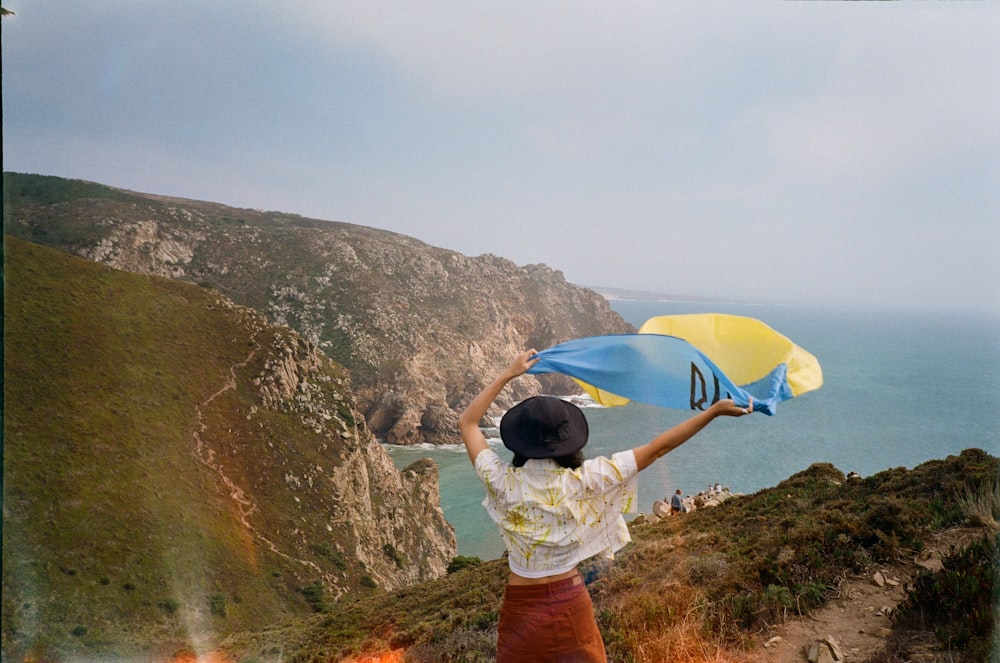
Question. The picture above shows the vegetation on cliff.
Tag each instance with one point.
(709, 585)
(416, 325)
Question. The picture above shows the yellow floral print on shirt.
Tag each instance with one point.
(551, 518)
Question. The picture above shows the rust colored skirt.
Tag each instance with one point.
(553, 623)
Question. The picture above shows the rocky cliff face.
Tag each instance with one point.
(346, 487)
(422, 329)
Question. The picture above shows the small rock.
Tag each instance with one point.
(776, 640)
(892, 582)
(883, 632)
(819, 652)
(931, 564)
(879, 579)
(838, 654)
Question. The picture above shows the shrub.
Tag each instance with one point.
(393, 554)
(965, 586)
(461, 562)
(888, 526)
(336, 558)
(706, 569)
(810, 595)
(738, 609)
(777, 600)
(217, 605)
(314, 596)
(169, 606)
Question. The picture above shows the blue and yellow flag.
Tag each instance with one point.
(688, 362)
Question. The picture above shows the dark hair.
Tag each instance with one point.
(572, 461)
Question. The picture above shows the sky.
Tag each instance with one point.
(829, 153)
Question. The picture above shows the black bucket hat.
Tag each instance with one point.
(544, 427)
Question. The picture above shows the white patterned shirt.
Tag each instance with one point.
(552, 518)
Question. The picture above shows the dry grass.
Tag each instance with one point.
(666, 623)
(395, 656)
(651, 611)
(981, 504)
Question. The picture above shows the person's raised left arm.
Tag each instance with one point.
(670, 439)
(468, 421)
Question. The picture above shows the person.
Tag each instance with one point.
(555, 509)
(676, 502)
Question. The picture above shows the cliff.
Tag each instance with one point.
(177, 468)
(421, 328)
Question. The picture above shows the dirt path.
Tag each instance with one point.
(204, 453)
(858, 618)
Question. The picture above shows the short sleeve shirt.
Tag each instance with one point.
(552, 518)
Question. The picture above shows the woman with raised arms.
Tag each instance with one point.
(556, 509)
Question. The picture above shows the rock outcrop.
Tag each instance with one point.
(421, 328)
(389, 520)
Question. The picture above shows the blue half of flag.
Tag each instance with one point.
(659, 370)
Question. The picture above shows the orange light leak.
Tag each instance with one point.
(394, 656)
(212, 657)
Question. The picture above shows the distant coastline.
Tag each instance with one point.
(622, 294)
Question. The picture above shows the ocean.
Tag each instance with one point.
(900, 388)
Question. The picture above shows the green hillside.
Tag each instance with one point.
(130, 458)
(105, 506)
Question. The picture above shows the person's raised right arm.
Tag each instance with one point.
(468, 421)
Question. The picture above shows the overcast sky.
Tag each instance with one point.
(833, 153)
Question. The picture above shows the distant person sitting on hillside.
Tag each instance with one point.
(555, 510)
(676, 503)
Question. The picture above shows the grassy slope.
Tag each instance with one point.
(113, 530)
(702, 587)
